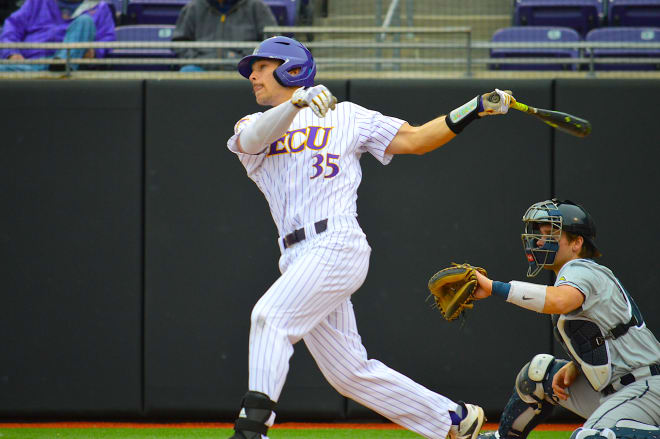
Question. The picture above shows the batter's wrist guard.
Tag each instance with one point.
(459, 118)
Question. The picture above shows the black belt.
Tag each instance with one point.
(299, 235)
(629, 378)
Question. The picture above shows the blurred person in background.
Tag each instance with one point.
(54, 21)
(220, 20)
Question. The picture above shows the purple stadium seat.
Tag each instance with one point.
(634, 13)
(285, 11)
(629, 35)
(154, 11)
(581, 15)
(540, 34)
(143, 32)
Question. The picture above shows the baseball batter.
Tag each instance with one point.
(304, 156)
(613, 377)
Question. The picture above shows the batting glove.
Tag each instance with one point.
(497, 102)
(318, 98)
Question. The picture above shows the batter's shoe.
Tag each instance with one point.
(470, 426)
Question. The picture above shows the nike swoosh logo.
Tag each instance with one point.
(527, 298)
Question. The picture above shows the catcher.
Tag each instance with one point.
(613, 376)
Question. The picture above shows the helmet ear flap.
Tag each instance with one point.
(277, 78)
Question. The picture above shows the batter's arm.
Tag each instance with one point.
(422, 139)
(269, 127)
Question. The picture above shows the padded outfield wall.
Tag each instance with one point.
(133, 246)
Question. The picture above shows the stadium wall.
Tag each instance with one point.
(134, 246)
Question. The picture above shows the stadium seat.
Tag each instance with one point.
(625, 35)
(143, 32)
(153, 11)
(581, 15)
(285, 11)
(634, 13)
(540, 34)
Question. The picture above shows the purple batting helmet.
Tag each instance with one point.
(294, 55)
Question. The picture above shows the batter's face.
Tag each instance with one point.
(267, 90)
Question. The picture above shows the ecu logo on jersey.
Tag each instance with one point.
(312, 137)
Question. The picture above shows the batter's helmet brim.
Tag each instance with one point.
(245, 64)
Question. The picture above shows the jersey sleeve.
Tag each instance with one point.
(584, 279)
(376, 132)
(252, 162)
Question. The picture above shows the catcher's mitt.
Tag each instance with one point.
(453, 288)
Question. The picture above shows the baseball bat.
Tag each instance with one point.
(573, 125)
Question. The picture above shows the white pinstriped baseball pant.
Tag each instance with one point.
(311, 301)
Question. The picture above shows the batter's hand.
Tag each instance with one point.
(318, 98)
(563, 380)
(496, 102)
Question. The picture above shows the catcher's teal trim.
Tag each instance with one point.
(501, 289)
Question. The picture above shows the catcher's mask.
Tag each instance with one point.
(561, 216)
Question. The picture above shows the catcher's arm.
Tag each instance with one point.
(540, 298)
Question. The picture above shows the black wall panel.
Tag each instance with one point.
(461, 203)
(211, 252)
(614, 174)
(71, 248)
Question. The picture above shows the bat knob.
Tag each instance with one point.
(494, 97)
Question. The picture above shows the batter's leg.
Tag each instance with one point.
(337, 348)
(318, 275)
(318, 280)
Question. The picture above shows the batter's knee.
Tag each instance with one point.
(534, 381)
(261, 315)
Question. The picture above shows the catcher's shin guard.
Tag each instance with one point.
(532, 400)
(255, 417)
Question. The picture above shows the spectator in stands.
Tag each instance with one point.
(51, 21)
(220, 20)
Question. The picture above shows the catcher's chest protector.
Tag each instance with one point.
(586, 343)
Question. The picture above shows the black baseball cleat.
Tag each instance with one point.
(470, 426)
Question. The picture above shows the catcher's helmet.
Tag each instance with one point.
(293, 53)
(562, 216)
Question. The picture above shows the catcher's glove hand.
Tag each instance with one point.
(453, 289)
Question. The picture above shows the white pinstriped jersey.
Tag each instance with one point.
(313, 171)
